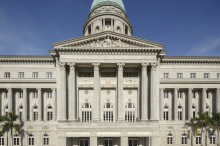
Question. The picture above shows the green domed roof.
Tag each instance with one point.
(117, 3)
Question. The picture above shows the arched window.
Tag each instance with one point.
(198, 139)
(16, 140)
(2, 140)
(180, 113)
(166, 113)
(108, 113)
(86, 112)
(212, 139)
(45, 139)
(184, 139)
(130, 115)
(118, 29)
(169, 139)
(30, 139)
(49, 113)
(35, 113)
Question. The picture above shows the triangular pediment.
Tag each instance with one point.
(109, 39)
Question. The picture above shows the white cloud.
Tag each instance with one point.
(206, 47)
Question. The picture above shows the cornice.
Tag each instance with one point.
(190, 60)
(26, 59)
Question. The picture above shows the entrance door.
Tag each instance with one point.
(84, 142)
(108, 142)
(133, 142)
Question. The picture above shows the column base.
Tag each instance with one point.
(61, 120)
(72, 120)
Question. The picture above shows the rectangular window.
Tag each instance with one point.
(166, 115)
(218, 75)
(2, 141)
(212, 139)
(108, 116)
(179, 75)
(20, 94)
(193, 75)
(86, 116)
(165, 75)
(35, 115)
(35, 94)
(16, 140)
(108, 142)
(198, 139)
(21, 75)
(7, 75)
(180, 115)
(169, 140)
(35, 75)
(84, 142)
(49, 75)
(49, 115)
(130, 116)
(133, 142)
(166, 94)
(46, 140)
(31, 141)
(206, 75)
(49, 94)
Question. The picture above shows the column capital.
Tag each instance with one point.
(96, 65)
(190, 89)
(62, 66)
(72, 66)
(144, 65)
(120, 65)
(153, 66)
(24, 89)
(53, 89)
(162, 89)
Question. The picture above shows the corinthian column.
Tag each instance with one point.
(61, 99)
(189, 103)
(175, 108)
(39, 104)
(10, 100)
(204, 99)
(120, 92)
(25, 104)
(72, 93)
(154, 98)
(217, 100)
(144, 92)
(96, 87)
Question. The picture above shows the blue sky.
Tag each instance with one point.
(185, 27)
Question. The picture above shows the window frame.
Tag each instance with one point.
(35, 75)
(169, 139)
(30, 140)
(49, 75)
(179, 75)
(46, 140)
(2, 140)
(130, 112)
(198, 140)
(184, 139)
(206, 75)
(7, 75)
(20, 75)
(166, 75)
(212, 139)
(193, 75)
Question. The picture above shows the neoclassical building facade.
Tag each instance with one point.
(108, 88)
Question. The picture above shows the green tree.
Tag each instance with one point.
(215, 125)
(9, 124)
(192, 126)
(202, 122)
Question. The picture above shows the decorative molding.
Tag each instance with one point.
(26, 60)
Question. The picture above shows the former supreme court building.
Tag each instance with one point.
(108, 88)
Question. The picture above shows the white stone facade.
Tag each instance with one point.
(108, 88)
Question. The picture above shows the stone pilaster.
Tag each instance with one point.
(154, 99)
(217, 100)
(25, 116)
(54, 103)
(72, 93)
(124, 141)
(93, 141)
(175, 107)
(61, 99)
(39, 104)
(120, 92)
(189, 103)
(96, 92)
(203, 100)
(144, 92)
(10, 100)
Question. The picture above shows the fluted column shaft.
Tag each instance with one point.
(144, 92)
(72, 93)
(10, 100)
(39, 104)
(120, 92)
(25, 117)
(96, 92)
(175, 108)
(217, 100)
(154, 99)
(61, 100)
(189, 103)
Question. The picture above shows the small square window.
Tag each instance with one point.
(7, 75)
(193, 75)
(49, 75)
(179, 75)
(21, 75)
(35, 75)
(206, 75)
(165, 75)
